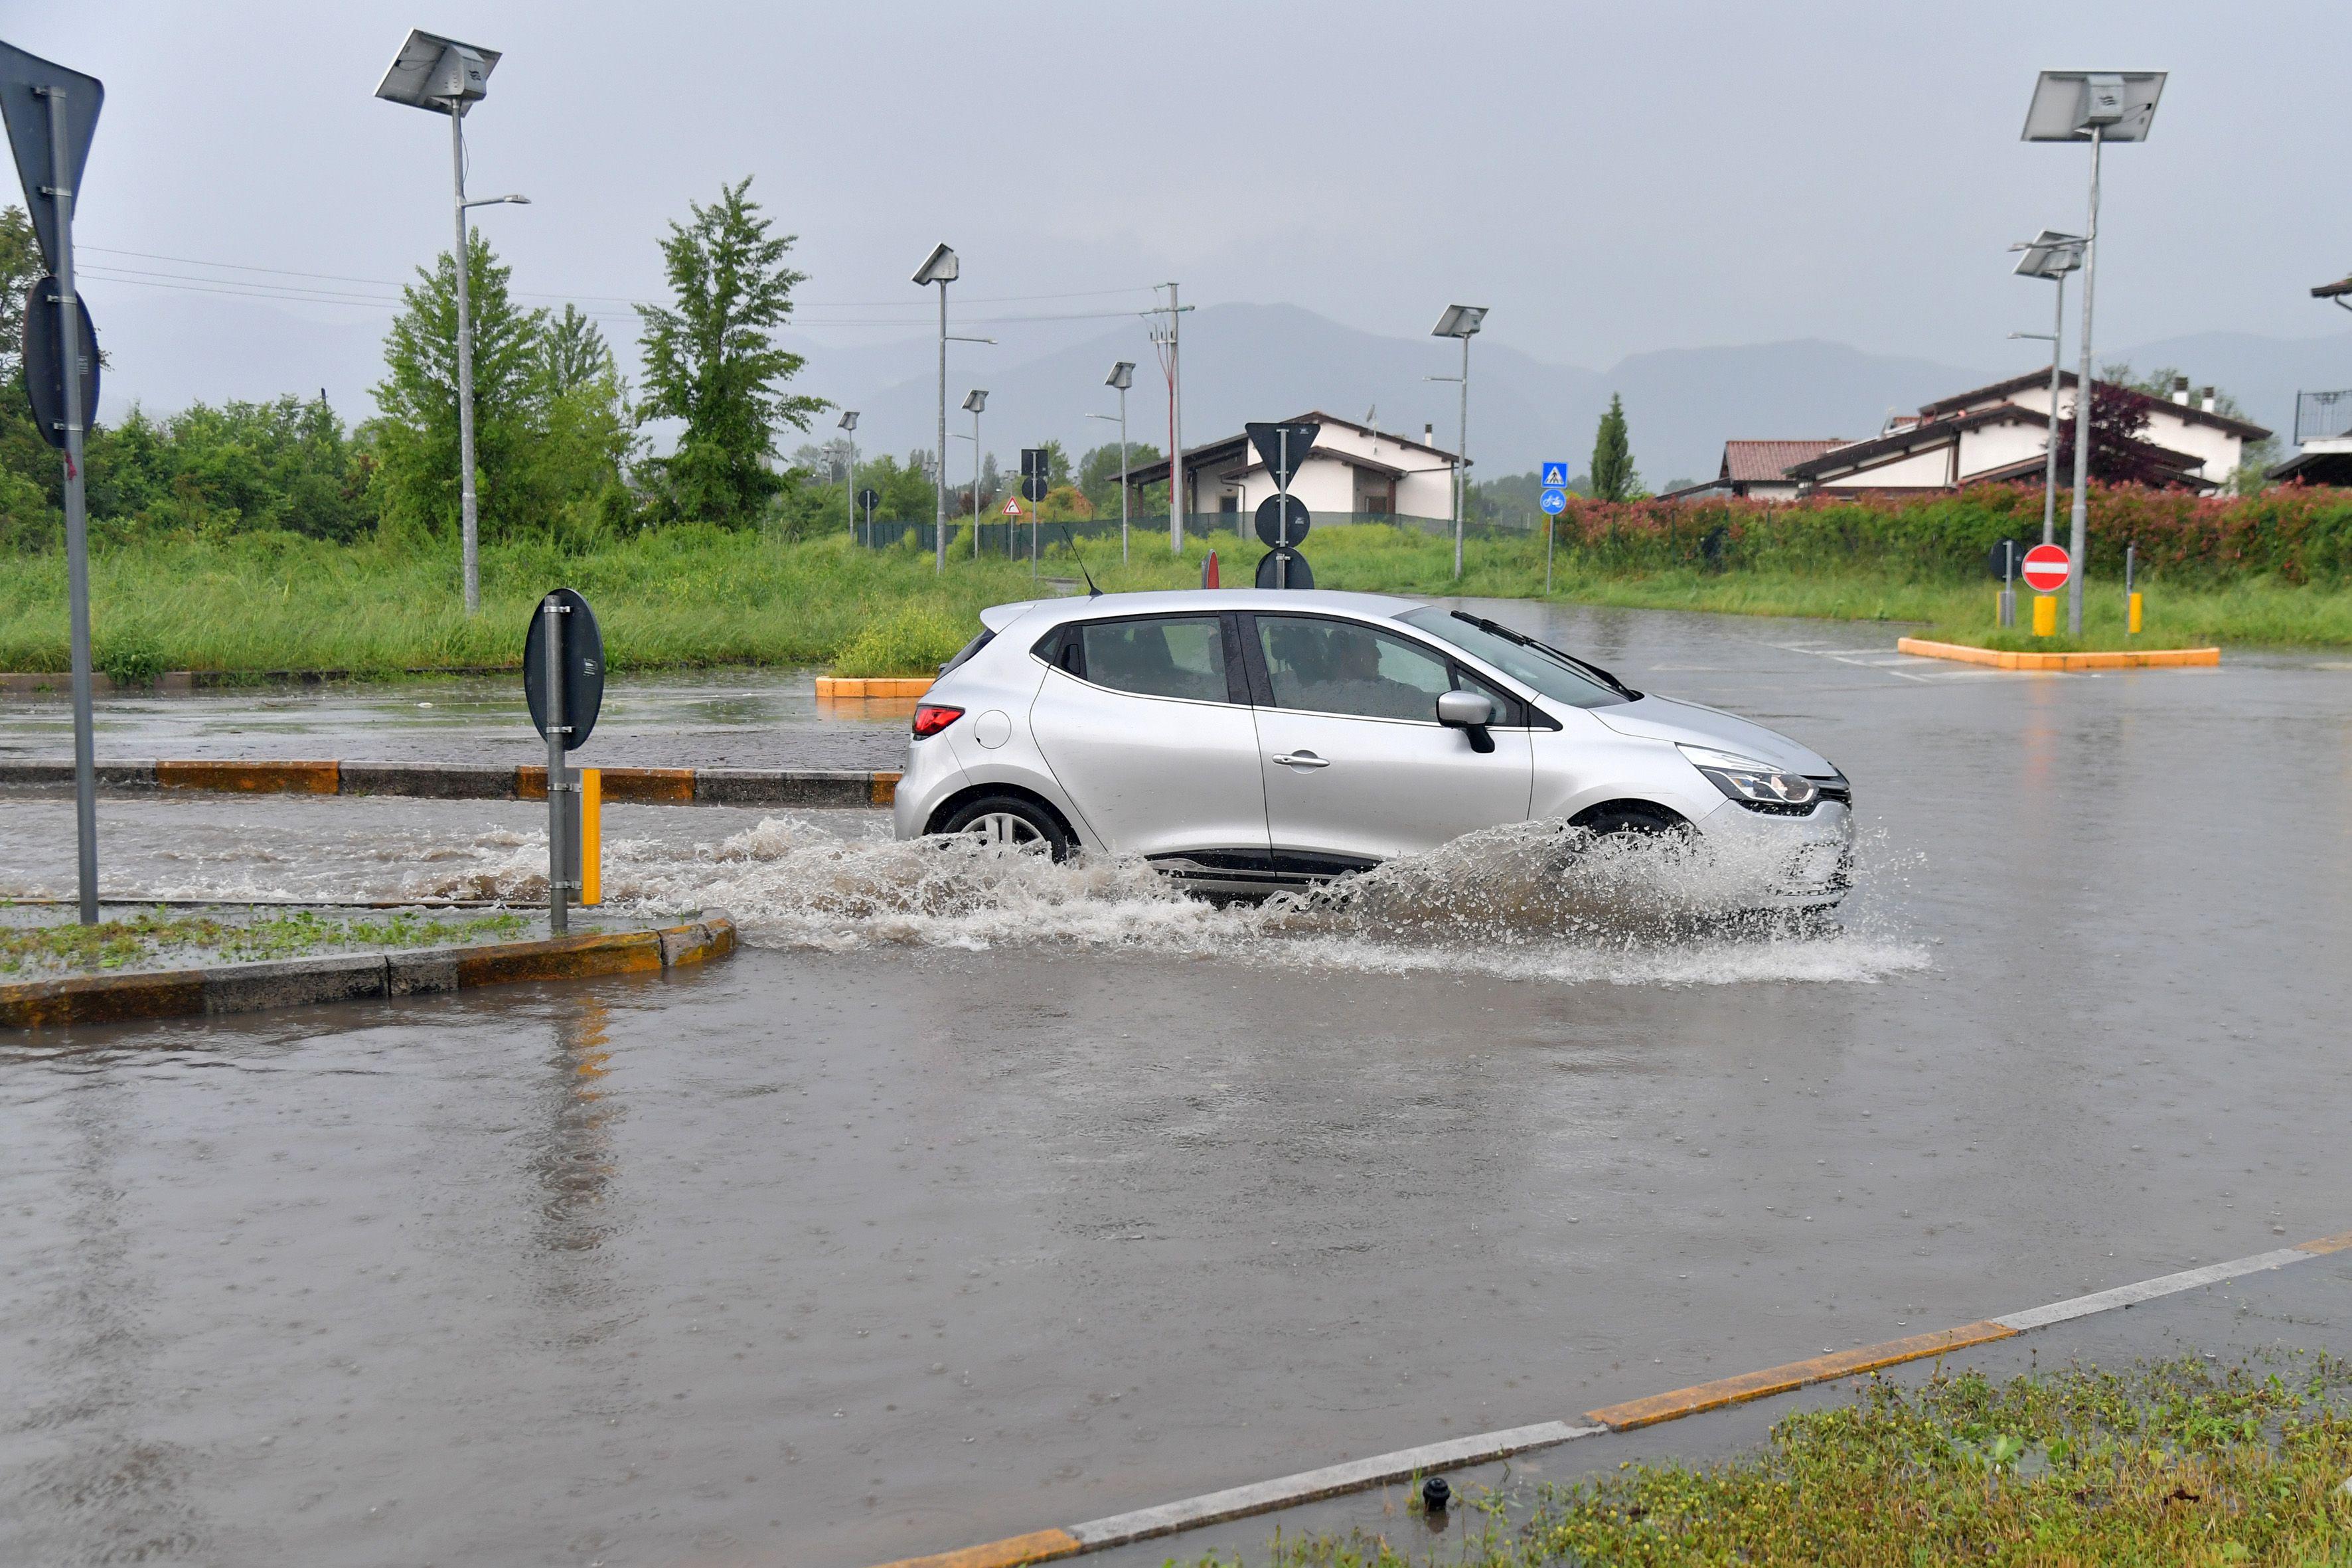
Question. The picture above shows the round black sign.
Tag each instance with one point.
(869, 497)
(582, 665)
(1282, 521)
(45, 367)
(1035, 486)
(2005, 558)
(1299, 575)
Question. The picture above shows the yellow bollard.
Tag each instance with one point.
(2133, 628)
(591, 835)
(2045, 615)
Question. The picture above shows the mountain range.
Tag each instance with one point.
(1244, 362)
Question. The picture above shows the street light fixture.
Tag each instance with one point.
(1460, 321)
(849, 475)
(1121, 377)
(2096, 107)
(2051, 255)
(446, 77)
(973, 402)
(940, 267)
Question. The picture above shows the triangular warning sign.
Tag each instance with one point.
(1555, 475)
(1012, 507)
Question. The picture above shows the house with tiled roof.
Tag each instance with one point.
(1759, 470)
(1994, 433)
(1352, 470)
(2000, 433)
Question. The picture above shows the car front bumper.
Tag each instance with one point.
(1800, 862)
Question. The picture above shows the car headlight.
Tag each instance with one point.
(1749, 782)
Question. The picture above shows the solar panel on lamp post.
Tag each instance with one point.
(973, 402)
(940, 267)
(442, 75)
(2096, 107)
(1460, 321)
(2051, 255)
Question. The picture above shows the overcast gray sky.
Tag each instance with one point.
(1608, 178)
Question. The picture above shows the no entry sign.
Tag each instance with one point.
(2045, 568)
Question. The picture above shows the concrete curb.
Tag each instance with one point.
(299, 982)
(476, 781)
(1995, 658)
(1310, 1485)
(865, 687)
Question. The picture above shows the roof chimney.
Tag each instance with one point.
(2181, 390)
(2210, 402)
(1429, 435)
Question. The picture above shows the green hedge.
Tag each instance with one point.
(2292, 533)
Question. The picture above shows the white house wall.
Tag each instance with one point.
(1928, 470)
(1998, 445)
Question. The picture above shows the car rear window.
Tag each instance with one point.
(1168, 656)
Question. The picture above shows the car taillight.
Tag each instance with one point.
(930, 718)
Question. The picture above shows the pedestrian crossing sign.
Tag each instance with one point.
(1555, 475)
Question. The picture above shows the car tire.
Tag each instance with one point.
(1651, 821)
(1010, 819)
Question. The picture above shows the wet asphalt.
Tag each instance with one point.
(851, 1248)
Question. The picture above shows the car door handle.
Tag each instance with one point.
(1301, 760)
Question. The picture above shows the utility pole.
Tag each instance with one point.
(1166, 342)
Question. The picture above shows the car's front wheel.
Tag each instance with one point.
(1010, 819)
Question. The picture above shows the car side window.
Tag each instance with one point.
(1171, 656)
(1338, 666)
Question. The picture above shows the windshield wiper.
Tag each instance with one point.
(1497, 630)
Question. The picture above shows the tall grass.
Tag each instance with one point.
(684, 597)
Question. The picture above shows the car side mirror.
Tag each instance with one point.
(1470, 713)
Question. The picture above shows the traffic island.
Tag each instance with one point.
(2116, 658)
(246, 987)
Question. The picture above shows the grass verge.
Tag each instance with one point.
(40, 951)
(691, 597)
(2175, 1463)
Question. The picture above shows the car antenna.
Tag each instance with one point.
(1092, 592)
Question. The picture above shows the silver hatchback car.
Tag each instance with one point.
(1246, 742)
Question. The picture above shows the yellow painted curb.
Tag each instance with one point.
(251, 778)
(2326, 1244)
(560, 958)
(883, 791)
(834, 688)
(101, 998)
(1997, 659)
(659, 786)
(1037, 1546)
(1794, 1376)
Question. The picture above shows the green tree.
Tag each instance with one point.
(712, 361)
(1613, 477)
(416, 435)
(32, 478)
(1098, 475)
(2257, 458)
(573, 354)
(238, 467)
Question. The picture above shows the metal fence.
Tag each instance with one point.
(2321, 415)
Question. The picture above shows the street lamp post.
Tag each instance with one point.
(940, 267)
(2097, 107)
(849, 473)
(1121, 377)
(974, 401)
(446, 77)
(1460, 321)
(2051, 255)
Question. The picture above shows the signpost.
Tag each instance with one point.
(1036, 479)
(1282, 521)
(51, 113)
(2003, 562)
(1554, 501)
(869, 497)
(563, 638)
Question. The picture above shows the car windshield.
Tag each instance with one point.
(1557, 675)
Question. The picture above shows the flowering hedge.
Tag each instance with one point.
(2294, 533)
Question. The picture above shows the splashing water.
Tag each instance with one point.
(1531, 900)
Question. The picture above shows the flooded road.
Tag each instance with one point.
(974, 1198)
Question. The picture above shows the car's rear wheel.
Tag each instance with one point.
(1012, 820)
